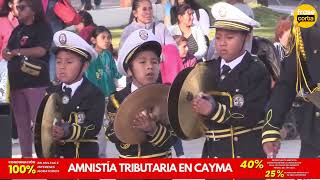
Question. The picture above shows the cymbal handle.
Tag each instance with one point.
(189, 97)
(57, 122)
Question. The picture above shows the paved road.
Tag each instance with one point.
(105, 4)
(282, 9)
(288, 6)
(289, 149)
(111, 15)
(292, 2)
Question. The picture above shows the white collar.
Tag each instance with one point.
(74, 86)
(234, 62)
(145, 26)
(133, 87)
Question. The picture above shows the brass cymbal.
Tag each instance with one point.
(187, 85)
(48, 113)
(314, 98)
(152, 98)
(37, 128)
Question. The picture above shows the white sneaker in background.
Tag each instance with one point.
(14, 141)
(182, 156)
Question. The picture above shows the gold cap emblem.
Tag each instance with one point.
(63, 39)
(222, 12)
(143, 35)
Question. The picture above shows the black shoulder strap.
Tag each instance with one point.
(197, 14)
(154, 28)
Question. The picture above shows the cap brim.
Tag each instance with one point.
(229, 28)
(229, 25)
(149, 45)
(78, 51)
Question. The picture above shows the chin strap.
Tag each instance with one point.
(79, 72)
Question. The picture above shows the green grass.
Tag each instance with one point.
(265, 16)
(207, 3)
(268, 20)
(116, 34)
(266, 32)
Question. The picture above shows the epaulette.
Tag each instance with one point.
(257, 60)
(114, 101)
(55, 82)
(254, 56)
(115, 104)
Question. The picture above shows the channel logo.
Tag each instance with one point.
(305, 15)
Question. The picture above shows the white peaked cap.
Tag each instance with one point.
(73, 42)
(230, 17)
(136, 42)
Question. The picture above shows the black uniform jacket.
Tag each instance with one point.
(285, 91)
(157, 146)
(236, 122)
(84, 113)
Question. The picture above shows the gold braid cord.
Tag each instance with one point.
(300, 56)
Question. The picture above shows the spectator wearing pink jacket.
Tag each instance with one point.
(86, 27)
(8, 21)
(188, 60)
(174, 62)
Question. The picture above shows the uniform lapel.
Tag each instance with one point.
(79, 94)
(243, 65)
(54, 89)
(313, 54)
(216, 69)
(230, 79)
(123, 93)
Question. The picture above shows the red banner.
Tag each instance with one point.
(159, 168)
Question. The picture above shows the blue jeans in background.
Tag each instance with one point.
(52, 66)
(96, 2)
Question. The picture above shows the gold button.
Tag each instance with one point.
(317, 114)
(236, 139)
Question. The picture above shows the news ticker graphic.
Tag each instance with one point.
(159, 168)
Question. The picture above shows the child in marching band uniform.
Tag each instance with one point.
(139, 58)
(83, 103)
(234, 119)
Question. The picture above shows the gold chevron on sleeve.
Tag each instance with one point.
(216, 115)
(270, 132)
(158, 133)
(269, 140)
(223, 112)
(74, 129)
(162, 136)
(78, 130)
